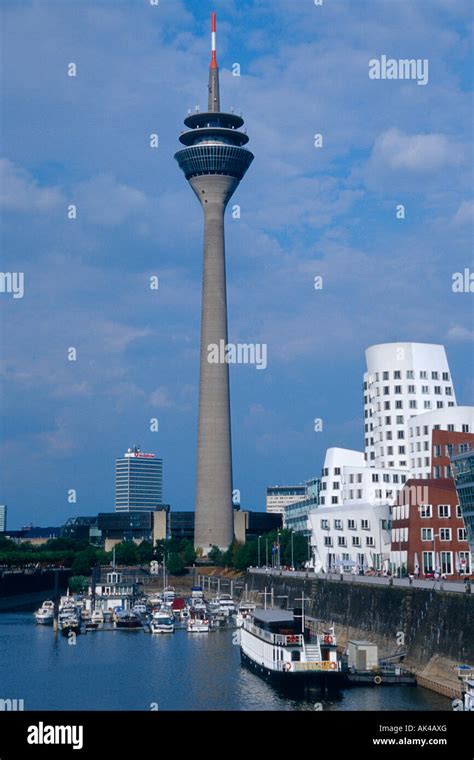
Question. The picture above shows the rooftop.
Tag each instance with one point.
(274, 616)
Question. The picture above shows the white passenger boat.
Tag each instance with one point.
(226, 604)
(274, 645)
(162, 622)
(45, 614)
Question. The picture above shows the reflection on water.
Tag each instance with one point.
(132, 670)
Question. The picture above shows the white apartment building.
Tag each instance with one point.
(351, 535)
(278, 497)
(458, 419)
(346, 478)
(402, 380)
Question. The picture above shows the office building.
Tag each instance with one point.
(138, 481)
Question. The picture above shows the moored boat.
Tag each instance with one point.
(162, 622)
(274, 645)
(243, 611)
(128, 619)
(45, 614)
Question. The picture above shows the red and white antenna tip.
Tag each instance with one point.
(213, 41)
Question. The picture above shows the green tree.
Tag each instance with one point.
(189, 554)
(126, 553)
(83, 561)
(175, 564)
(144, 552)
(78, 583)
(215, 555)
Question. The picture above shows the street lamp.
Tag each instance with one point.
(259, 550)
(292, 562)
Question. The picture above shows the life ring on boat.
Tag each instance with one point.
(287, 667)
(377, 680)
(333, 665)
(328, 639)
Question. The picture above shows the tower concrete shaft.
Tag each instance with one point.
(214, 162)
(214, 513)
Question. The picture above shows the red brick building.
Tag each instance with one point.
(442, 444)
(428, 530)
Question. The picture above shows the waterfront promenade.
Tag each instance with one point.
(459, 587)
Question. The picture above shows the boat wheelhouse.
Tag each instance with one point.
(275, 644)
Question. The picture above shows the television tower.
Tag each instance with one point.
(213, 161)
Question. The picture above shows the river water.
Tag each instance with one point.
(133, 670)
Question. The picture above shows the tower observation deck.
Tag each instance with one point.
(213, 161)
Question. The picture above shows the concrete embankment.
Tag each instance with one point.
(434, 628)
(23, 589)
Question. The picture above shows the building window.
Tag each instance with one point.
(447, 563)
(338, 524)
(425, 510)
(465, 562)
(398, 404)
(427, 562)
(462, 534)
(427, 405)
(434, 376)
(324, 524)
(327, 541)
(334, 500)
(364, 524)
(341, 541)
(445, 376)
(355, 541)
(458, 511)
(337, 471)
(375, 477)
(427, 534)
(398, 389)
(359, 493)
(351, 524)
(369, 541)
(444, 510)
(335, 485)
(445, 534)
(412, 404)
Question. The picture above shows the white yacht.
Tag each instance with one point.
(97, 616)
(162, 622)
(243, 611)
(274, 645)
(197, 625)
(45, 614)
(223, 604)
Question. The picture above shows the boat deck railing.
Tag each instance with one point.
(277, 639)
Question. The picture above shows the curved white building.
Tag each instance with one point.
(402, 380)
(459, 419)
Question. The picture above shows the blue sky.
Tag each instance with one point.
(304, 212)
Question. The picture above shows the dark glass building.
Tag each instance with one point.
(462, 465)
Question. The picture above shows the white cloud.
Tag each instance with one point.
(458, 332)
(465, 213)
(19, 191)
(419, 152)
